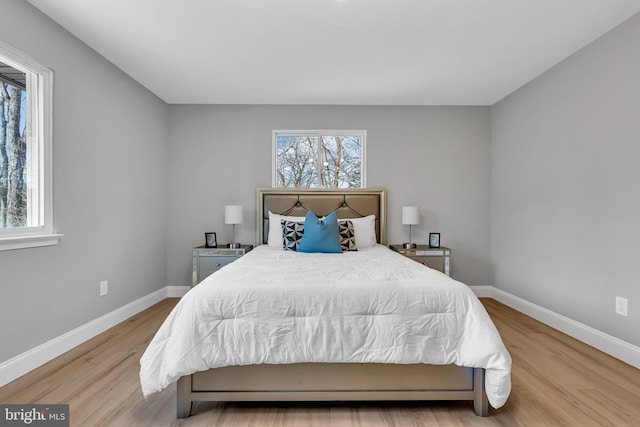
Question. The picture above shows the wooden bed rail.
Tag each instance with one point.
(256, 384)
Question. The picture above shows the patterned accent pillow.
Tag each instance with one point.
(347, 236)
(291, 234)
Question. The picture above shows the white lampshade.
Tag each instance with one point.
(410, 215)
(233, 214)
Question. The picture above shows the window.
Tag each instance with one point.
(26, 218)
(319, 159)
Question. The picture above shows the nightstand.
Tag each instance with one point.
(436, 258)
(209, 260)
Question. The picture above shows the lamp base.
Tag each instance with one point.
(409, 245)
(234, 245)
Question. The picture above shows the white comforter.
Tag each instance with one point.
(374, 305)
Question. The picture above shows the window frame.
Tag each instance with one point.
(40, 227)
(319, 133)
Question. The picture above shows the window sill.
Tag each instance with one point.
(32, 241)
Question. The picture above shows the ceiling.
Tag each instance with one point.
(336, 52)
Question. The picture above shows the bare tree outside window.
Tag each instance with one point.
(297, 166)
(13, 153)
(319, 160)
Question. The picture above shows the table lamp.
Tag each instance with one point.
(233, 215)
(410, 216)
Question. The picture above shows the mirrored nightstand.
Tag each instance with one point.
(436, 258)
(209, 260)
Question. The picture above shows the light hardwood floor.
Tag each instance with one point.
(557, 381)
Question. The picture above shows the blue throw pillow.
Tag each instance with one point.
(320, 235)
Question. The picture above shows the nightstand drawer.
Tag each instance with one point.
(436, 258)
(211, 264)
(435, 262)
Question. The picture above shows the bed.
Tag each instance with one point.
(279, 325)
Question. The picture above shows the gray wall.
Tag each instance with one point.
(434, 157)
(565, 186)
(110, 158)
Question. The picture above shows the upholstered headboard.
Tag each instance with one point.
(348, 203)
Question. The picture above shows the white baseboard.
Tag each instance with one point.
(483, 291)
(613, 346)
(177, 291)
(21, 364)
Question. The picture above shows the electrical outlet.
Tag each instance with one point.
(104, 288)
(621, 306)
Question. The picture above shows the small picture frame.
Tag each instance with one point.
(434, 240)
(210, 240)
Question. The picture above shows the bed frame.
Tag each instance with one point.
(330, 381)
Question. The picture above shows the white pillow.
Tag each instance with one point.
(365, 230)
(274, 239)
